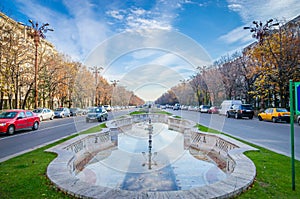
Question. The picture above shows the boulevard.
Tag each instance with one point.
(273, 136)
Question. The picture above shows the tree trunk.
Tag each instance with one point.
(26, 96)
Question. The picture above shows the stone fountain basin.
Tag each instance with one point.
(72, 170)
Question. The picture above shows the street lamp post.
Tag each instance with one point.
(114, 82)
(260, 30)
(38, 32)
(96, 70)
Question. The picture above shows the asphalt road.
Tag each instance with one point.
(48, 132)
(273, 136)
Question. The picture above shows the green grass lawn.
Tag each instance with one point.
(274, 176)
(25, 176)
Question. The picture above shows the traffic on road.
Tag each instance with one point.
(274, 136)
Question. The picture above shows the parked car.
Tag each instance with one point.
(240, 110)
(227, 104)
(193, 108)
(176, 107)
(213, 110)
(163, 106)
(204, 108)
(62, 112)
(44, 113)
(15, 120)
(75, 111)
(108, 108)
(96, 114)
(275, 115)
(184, 107)
(298, 120)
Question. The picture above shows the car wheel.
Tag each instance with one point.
(251, 117)
(100, 119)
(106, 118)
(299, 122)
(87, 120)
(259, 118)
(274, 119)
(237, 116)
(35, 126)
(11, 130)
(227, 115)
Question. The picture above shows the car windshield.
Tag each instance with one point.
(7, 115)
(37, 110)
(281, 110)
(59, 109)
(247, 107)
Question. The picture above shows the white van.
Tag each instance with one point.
(227, 104)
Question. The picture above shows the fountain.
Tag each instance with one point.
(151, 156)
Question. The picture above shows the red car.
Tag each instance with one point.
(15, 120)
(213, 110)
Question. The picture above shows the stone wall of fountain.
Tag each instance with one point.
(74, 154)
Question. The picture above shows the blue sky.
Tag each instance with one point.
(213, 28)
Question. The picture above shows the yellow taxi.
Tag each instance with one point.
(275, 115)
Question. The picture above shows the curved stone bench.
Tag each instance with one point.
(75, 153)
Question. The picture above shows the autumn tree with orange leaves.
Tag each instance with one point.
(279, 57)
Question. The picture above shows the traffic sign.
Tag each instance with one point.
(297, 97)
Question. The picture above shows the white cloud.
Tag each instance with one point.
(138, 18)
(264, 10)
(261, 11)
(75, 35)
(235, 7)
(156, 57)
(237, 35)
(82, 28)
(115, 14)
(160, 16)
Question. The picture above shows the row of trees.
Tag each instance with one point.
(258, 75)
(61, 81)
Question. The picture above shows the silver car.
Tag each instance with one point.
(62, 112)
(44, 113)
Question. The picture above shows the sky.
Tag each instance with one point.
(149, 45)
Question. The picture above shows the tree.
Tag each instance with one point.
(13, 57)
(213, 79)
(279, 57)
(200, 87)
(84, 88)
